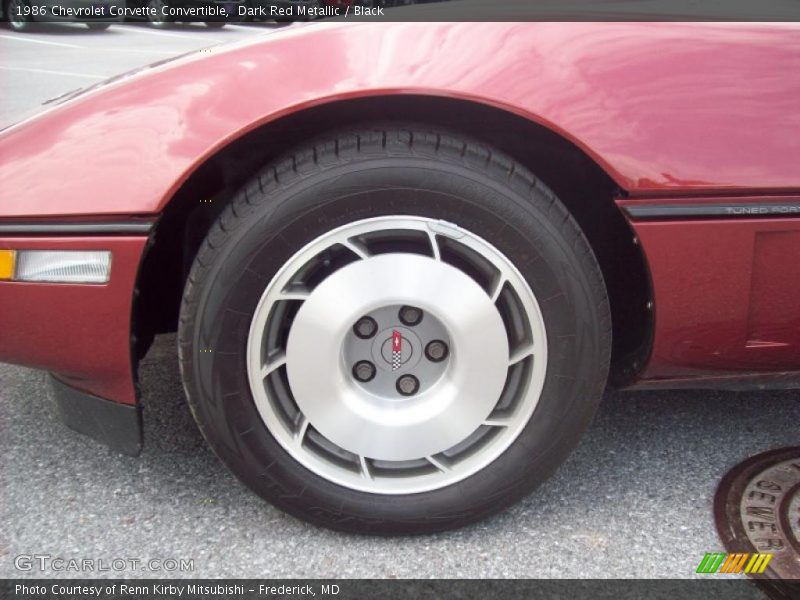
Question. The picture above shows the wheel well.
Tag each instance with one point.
(579, 182)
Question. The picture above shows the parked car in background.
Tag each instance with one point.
(162, 13)
(20, 14)
(405, 260)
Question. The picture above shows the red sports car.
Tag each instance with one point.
(405, 260)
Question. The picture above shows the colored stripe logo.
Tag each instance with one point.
(397, 350)
(721, 562)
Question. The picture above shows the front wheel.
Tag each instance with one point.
(394, 331)
(215, 24)
(98, 26)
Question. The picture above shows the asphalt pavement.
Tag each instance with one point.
(634, 500)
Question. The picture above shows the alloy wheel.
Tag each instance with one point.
(397, 355)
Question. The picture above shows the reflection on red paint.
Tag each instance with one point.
(662, 107)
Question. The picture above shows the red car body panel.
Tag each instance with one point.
(662, 107)
(727, 296)
(682, 111)
(80, 332)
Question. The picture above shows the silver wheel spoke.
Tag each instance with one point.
(520, 354)
(295, 294)
(437, 253)
(357, 248)
(365, 472)
(274, 364)
(498, 288)
(440, 466)
(300, 432)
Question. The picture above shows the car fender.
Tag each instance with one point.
(652, 104)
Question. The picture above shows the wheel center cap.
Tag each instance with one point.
(397, 349)
(379, 423)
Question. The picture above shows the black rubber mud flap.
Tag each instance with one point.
(118, 426)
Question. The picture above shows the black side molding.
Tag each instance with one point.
(63, 228)
(707, 210)
(118, 426)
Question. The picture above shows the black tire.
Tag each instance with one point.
(157, 19)
(98, 26)
(215, 24)
(248, 18)
(348, 178)
(17, 22)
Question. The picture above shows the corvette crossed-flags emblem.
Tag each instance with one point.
(397, 350)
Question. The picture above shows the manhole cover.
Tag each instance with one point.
(757, 510)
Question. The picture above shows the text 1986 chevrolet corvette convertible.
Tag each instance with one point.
(405, 260)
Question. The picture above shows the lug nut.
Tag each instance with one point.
(365, 328)
(364, 371)
(410, 315)
(407, 385)
(436, 351)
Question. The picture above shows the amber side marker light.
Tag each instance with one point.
(7, 260)
(55, 266)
